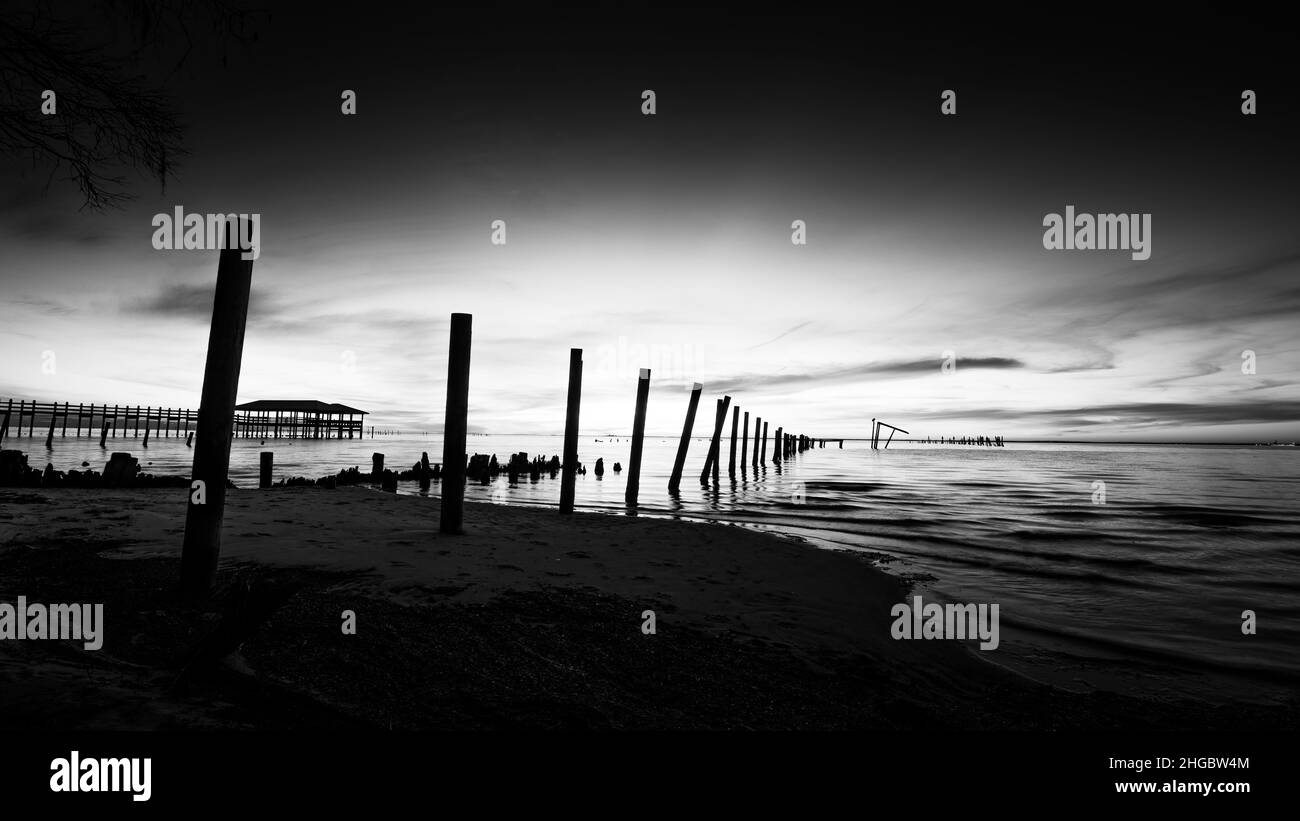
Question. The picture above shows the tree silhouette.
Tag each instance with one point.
(108, 68)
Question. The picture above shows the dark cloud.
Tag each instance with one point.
(1143, 414)
(177, 299)
(45, 307)
(849, 373)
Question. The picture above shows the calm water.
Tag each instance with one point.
(1157, 577)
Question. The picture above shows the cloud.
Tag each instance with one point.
(177, 299)
(784, 334)
(1142, 414)
(849, 373)
(45, 307)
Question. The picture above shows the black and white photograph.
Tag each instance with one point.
(646, 385)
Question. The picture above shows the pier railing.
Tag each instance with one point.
(57, 418)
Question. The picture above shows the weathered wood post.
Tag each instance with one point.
(735, 424)
(638, 438)
(64, 432)
(455, 425)
(762, 458)
(712, 461)
(744, 442)
(675, 480)
(4, 429)
(758, 429)
(103, 432)
(377, 467)
(264, 473)
(717, 439)
(49, 437)
(569, 467)
(146, 424)
(207, 501)
(777, 446)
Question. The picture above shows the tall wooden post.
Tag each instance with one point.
(146, 424)
(758, 428)
(638, 438)
(569, 468)
(65, 421)
(717, 439)
(455, 425)
(207, 493)
(715, 444)
(744, 442)
(264, 472)
(762, 457)
(777, 446)
(49, 437)
(735, 423)
(675, 481)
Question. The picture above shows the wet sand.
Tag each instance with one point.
(527, 620)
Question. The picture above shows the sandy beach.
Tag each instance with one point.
(527, 620)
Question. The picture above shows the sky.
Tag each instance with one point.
(664, 240)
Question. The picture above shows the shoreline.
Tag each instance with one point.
(529, 619)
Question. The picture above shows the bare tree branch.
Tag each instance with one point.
(110, 116)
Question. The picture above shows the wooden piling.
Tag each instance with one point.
(49, 437)
(638, 438)
(762, 458)
(64, 433)
(758, 429)
(264, 472)
(676, 480)
(376, 467)
(744, 442)
(201, 549)
(777, 446)
(717, 440)
(714, 458)
(146, 426)
(569, 467)
(103, 433)
(455, 425)
(735, 424)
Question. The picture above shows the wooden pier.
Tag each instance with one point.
(268, 419)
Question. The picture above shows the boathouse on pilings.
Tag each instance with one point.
(298, 419)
